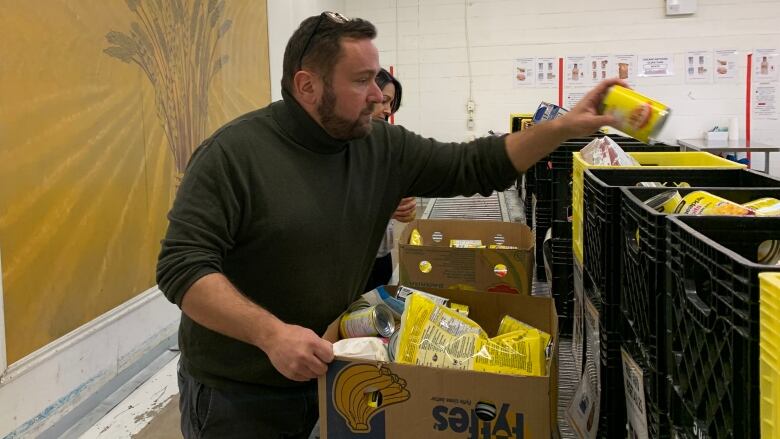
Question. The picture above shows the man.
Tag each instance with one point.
(278, 219)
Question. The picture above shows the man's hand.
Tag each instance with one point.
(297, 352)
(525, 148)
(584, 119)
(406, 210)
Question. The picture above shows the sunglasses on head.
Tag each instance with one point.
(334, 17)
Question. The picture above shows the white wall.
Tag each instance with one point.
(284, 16)
(425, 41)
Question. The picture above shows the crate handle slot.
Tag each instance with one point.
(697, 281)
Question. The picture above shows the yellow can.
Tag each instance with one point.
(765, 206)
(705, 203)
(665, 202)
(638, 116)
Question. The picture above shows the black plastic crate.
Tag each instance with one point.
(527, 196)
(542, 220)
(601, 216)
(643, 292)
(713, 288)
(612, 404)
(656, 405)
(561, 285)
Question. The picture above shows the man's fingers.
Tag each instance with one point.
(316, 367)
(323, 350)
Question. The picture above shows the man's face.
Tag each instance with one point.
(346, 103)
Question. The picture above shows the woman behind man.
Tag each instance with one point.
(383, 266)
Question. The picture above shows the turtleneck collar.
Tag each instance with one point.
(297, 123)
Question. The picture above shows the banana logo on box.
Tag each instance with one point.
(362, 390)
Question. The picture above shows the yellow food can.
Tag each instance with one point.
(638, 116)
(765, 206)
(705, 203)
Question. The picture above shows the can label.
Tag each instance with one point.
(665, 202)
(765, 206)
(367, 322)
(638, 116)
(705, 203)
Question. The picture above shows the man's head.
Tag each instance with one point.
(330, 64)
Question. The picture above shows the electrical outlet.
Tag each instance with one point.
(471, 106)
(680, 7)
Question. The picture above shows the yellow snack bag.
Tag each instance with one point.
(510, 324)
(435, 336)
(518, 352)
(416, 238)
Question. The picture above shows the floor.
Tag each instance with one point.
(152, 410)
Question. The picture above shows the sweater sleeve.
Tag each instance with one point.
(202, 222)
(436, 169)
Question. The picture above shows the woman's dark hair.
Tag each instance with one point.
(382, 79)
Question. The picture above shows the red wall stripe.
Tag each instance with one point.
(560, 82)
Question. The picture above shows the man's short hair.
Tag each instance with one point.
(324, 45)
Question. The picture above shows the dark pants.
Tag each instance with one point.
(270, 413)
(381, 273)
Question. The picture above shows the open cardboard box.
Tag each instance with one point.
(360, 399)
(435, 265)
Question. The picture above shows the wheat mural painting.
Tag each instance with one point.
(175, 44)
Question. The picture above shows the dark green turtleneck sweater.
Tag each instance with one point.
(294, 218)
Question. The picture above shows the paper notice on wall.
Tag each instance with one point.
(765, 102)
(624, 67)
(725, 64)
(523, 72)
(599, 68)
(574, 70)
(547, 71)
(572, 98)
(765, 65)
(583, 411)
(698, 66)
(634, 385)
(656, 66)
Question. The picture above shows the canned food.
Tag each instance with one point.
(665, 202)
(367, 321)
(765, 206)
(769, 252)
(392, 345)
(637, 115)
(705, 203)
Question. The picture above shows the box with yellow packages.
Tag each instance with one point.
(445, 254)
(390, 400)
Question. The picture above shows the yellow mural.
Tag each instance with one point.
(101, 107)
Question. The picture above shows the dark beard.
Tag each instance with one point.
(337, 126)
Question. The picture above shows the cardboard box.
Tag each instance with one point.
(424, 402)
(435, 265)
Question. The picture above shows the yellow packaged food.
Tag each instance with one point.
(415, 238)
(466, 243)
(705, 203)
(518, 352)
(638, 116)
(765, 206)
(435, 336)
(463, 309)
(510, 324)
